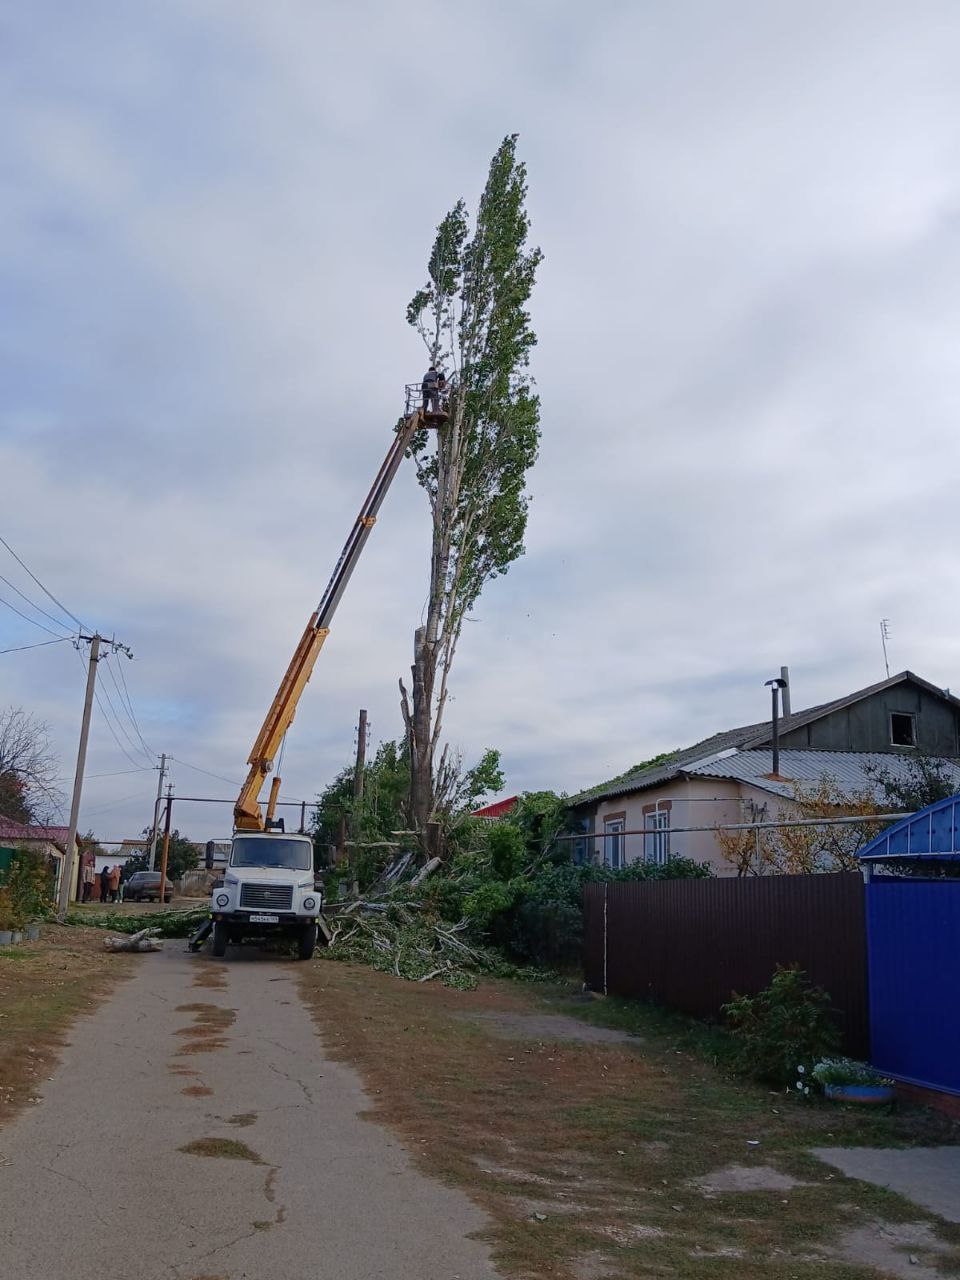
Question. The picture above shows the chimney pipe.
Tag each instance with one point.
(785, 686)
(775, 686)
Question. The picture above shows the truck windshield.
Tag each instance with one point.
(255, 851)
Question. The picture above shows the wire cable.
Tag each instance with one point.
(19, 648)
(123, 680)
(47, 593)
(142, 746)
(197, 769)
(96, 694)
(33, 604)
(42, 626)
(119, 773)
(102, 688)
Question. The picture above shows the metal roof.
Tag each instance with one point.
(850, 770)
(751, 736)
(930, 834)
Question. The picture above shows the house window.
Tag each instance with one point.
(656, 820)
(613, 843)
(903, 729)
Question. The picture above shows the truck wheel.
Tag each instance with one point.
(307, 942)
(220, 936)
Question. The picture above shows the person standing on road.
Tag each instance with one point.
(104, 878)
(115, 883)
(88, 879)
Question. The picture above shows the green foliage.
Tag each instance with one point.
(30, 884)
(663, 758)
(925, 782)
(182, 856)
(846, 1071)
(672, 869)
(507, 849)
(785, 1027)
(172, 924)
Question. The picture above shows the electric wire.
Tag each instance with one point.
(19, 648)
(102, 688)
(113, 732)
(197, 769)
(47, 593)
(42, 626)
(123, 681)
(128, 709)
(33, 604)
(120, 773)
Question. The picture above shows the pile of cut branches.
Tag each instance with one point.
(180, 923)
(401, 937)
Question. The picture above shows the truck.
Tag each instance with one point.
(268, 888)
(268, 891)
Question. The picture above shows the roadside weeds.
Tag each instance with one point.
(599, 1160)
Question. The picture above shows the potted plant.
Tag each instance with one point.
(846, 1080)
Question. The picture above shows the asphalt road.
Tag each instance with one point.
(94, 1184)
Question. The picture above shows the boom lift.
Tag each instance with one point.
(268, 886)
(247, 814)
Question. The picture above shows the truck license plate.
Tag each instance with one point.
(261, 919)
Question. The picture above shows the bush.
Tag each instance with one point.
(30, 885)
(846, 1071)
(786, 1026)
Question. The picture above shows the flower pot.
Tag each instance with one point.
(870, 1095)
(17, 936)
(6, 937)
(32, 933)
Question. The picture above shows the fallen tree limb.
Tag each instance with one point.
(143, 940)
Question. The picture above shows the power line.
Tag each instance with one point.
(121, 773)
(113, 732)
(123, 681)
(42, 626)
(129, 712)
(197, 769)
(39, 645)
(102, 688)
(47, 593)
(32, 603)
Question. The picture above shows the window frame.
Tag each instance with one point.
(614, 840)
(906, 715)
(656, 832)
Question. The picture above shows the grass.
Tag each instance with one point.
(586, 1156)
(44, 987)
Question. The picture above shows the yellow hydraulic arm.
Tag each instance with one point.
(247, 814)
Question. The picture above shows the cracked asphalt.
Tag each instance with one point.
(93, 1183)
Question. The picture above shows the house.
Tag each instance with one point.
(50, 841)
(728, 778)
(499, 809)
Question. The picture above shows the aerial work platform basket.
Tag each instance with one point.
(415, 400)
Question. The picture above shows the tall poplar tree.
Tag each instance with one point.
(472, 315)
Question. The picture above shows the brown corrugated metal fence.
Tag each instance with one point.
(689, 944)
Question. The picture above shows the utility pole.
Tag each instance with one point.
(94, 641)
(66, 876)
(156, 811)
(358, 793)
(166, 845)
(884, 637)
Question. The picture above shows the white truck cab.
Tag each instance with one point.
(268, 889)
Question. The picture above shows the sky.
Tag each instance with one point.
(213, 215)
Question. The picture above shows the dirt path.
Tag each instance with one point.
(195, 1129)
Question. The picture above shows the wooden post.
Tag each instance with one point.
(166, 847)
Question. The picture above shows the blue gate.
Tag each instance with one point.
(913, 948)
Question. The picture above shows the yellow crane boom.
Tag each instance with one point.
(247, 813)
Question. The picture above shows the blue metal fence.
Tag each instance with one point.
(913, 945)
(913, 932)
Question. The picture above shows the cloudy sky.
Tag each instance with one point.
(213, 214)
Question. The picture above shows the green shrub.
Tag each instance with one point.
(846, 1071)
(786, 1026)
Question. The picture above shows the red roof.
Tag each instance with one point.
(498, 810)
(11, 830)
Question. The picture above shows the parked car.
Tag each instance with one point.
(144, 886)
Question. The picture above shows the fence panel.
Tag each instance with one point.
(914, 926)
(689, 944)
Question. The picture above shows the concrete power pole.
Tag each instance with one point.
(358, 793)
(156, 811)
(66, 878)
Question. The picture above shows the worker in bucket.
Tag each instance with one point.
(431, 390)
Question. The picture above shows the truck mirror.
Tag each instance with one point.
(208, 854)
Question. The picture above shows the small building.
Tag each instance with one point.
(499, 809)
(674, 807)
(50, 841)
